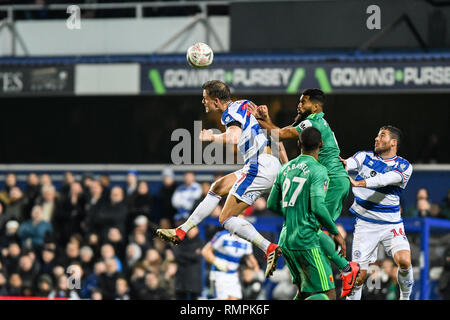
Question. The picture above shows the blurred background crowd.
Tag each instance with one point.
(90, 239)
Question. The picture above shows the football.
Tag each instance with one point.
(200, 55)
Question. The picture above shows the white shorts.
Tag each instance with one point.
(256, 179)
(225, 285)
(368, 235)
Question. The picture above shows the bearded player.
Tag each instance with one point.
(381, 178)
(310, 114)
(244, 186)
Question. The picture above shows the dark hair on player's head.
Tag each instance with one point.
(217, 89)
(310, 139)
(316, 95)
(395, 133)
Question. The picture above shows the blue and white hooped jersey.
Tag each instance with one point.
(379, 201)
(252, 140)
(230, 249)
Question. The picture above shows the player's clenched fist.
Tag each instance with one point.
(263, 112)
(206, 135)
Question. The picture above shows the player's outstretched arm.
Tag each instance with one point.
(232, 135)
(380, 180)
(208, 254)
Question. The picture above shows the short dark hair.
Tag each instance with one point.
(310, 139)
(316, 95)
(217, 89)
(395, 133)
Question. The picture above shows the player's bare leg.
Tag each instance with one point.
(244, 229)
(218, 189)
(405, 277)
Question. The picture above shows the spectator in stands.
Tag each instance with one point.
(140, 234)
(122, 290)
(10, 234)
(62, 289)
(86, 181)
(72, 254)
(33, 231)
(92, 282)
(153, 290)
(15, 285)
(112, 215)
(108, 279)
(11, 257)
(32, 192)
(15, 208)
(165, 198)
(167, 275)
(44, 286)
(139, 203)
(67, 220)
(48, 260)
(46, 180)
(260, 208)
(106, 185)
(133, 255)
(422, 206)
(94, 206)
(152, 261)
(132, 179)
(87, 259)
(137, 281)
(49, 203)
(115, 238)
(185, 195)
(108, 253)
(3, 285)
(445, 206)
(188, 282)
(10, 182)
(28, 272)
(66, 185)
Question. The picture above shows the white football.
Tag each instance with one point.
(200, 55)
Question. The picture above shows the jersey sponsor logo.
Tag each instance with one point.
(305, 124)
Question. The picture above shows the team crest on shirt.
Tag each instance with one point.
(325, 185)
(357, 254)
(373, 173)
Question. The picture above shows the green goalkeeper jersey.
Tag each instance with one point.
(298, 194)
(329, 153)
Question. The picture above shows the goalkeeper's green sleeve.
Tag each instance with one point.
(321, 212)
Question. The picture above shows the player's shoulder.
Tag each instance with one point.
(305, 124)
(402, 164)
(236, 105)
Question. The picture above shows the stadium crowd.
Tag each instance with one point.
(90, 239)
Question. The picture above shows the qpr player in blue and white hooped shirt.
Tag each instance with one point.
(225, 252)
(381, 177)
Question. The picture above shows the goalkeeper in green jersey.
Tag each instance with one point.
(310, 114)
(299, 195)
